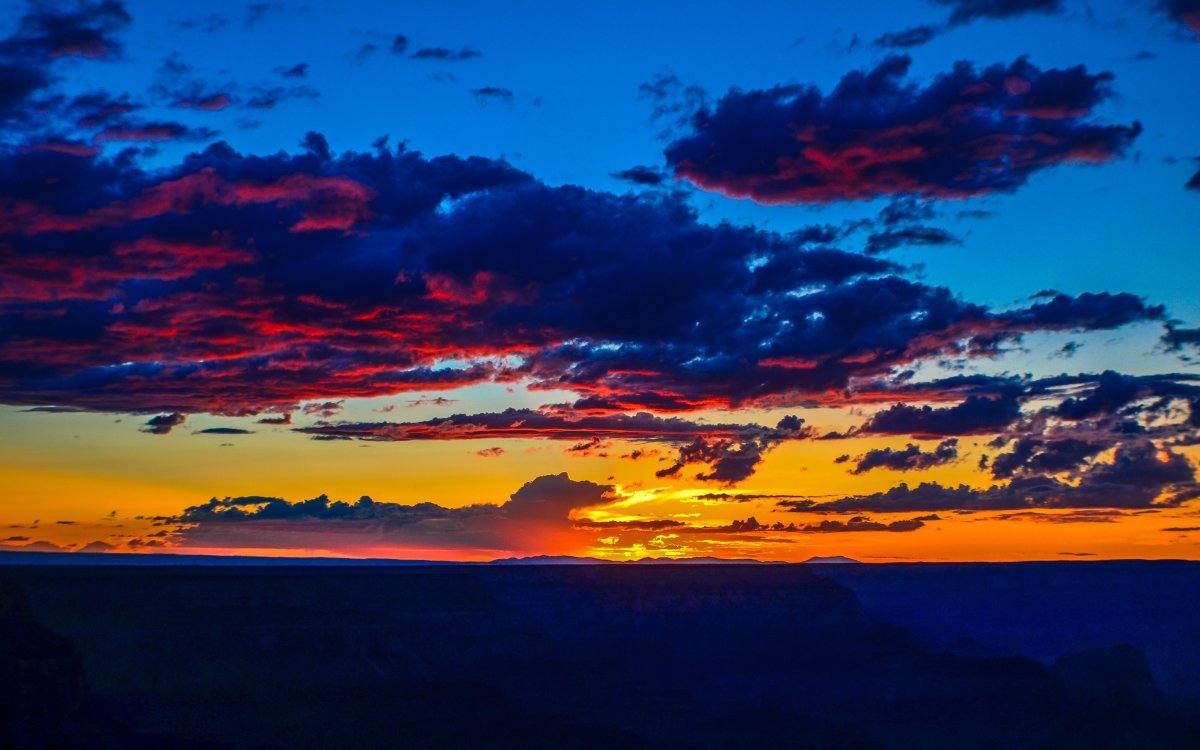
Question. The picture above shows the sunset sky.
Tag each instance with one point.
(897, 281)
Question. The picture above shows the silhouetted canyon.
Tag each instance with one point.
(1059, 655)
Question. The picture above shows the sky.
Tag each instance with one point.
(895, 281)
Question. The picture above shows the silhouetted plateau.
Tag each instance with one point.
(595, 656)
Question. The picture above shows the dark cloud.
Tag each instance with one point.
(489, 94)
(255, 12)
(910, 458)
(674, 103)
(45, 35)
(238, 284)
(638, 525)
(966, 11)
(880, 242)
(224, 431)
(299, 70)
(1178, 339)
(364, 53)
(83, 28)
(1186, 13)
(857, 523)
(554, 496)
(1140, 475)
(968, 132)
(323, 409)
(53, 409)
(1075, 516)
(1032, 455)
(163, 423)
(231, 509)
(906, 209)
(540, 506)
(445, 54)
(152, 132)
(976, 415)
(17, 83)
(732, 450)
(913, 37)
(399, 44)
(269, 97)
(1106, 396)
(641, 175)
(861, 523)
(208, 24)
(733, 460)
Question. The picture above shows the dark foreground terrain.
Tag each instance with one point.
(1059, 655)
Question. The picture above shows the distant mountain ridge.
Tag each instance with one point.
(20, 557)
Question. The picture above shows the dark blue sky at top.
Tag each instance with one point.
(557, 90)
(576, 115)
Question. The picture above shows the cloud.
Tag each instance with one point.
(1110, 393)
(236, 284)
(445, 54)
(967, 11)
(912, 37)
(880, 242)
(540, 507)
(45, 35)
(554, 496)
(163, 423)
(152, 132)
(674, 103)
(733, 451)
(489, 94)
(1177, 339)
(224, 431)
(1186, 13)
(322, 409)
(964, 12)
(269, 97)
(255, 12)
(860, 523)
(976, 415)
(641, 175)
(299, 70)
(1140, 475)
(910, 458)
(735, 460)
(208, 24)
(82, 28)
(966, 133)
(1032, 455)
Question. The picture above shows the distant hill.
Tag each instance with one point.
(831, 560)
(21, 557)
(550, 560)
